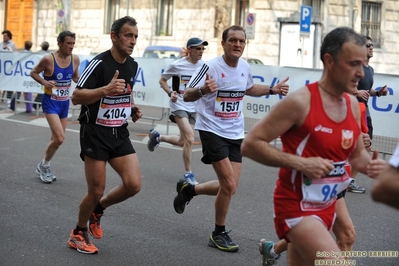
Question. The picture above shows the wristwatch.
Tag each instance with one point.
(200, 93)
(271, 92)
(170, 93)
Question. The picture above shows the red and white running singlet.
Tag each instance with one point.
(297, 195)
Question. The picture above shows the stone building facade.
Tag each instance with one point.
(276, 39)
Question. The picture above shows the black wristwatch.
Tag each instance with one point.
(170, 93)
(200, 93)
(271, 92)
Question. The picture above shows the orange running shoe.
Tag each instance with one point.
(94, 225)
(82, 243)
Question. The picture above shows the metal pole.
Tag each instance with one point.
(351, 3)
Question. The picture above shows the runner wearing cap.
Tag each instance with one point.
(182, 113)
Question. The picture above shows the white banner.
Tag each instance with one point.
(15, 76)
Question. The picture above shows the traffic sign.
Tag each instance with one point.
(305, 21)
(249, 26)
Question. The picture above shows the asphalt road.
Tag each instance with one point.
(36, 218)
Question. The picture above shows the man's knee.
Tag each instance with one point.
(132, 188)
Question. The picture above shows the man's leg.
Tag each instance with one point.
(95, 177)
(186, 140)
(228, 174)
(309, 237)
(343, 227)
(128, 169)
(57, 127)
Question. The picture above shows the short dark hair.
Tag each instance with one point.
(118, 24)
(336, 38)
(28, 45)
(65, 33)
(45, 45)
(369, 38)
(9, 34)
(234, 27)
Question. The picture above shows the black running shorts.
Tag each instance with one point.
(216, 148)
(341, 195)
(104, 143)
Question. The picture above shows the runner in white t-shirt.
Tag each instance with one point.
(219, 86)
(182, 113)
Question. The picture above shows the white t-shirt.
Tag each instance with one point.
(221, 112)
(181, 70)
(9, 46)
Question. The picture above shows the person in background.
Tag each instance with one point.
(59, 69)
(28, 95)
(44, 47)
(7, 45)
(364, 92)
(38, 99)
(182, 113)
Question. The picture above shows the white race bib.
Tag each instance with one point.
(228, 104)
(114, 111)
(60, 92)
(320, 193)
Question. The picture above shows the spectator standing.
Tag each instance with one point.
(38, 99)
(182, 113)
(7, 45)
(28, 95)
(59, 69)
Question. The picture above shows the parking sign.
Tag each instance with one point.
(305, 20)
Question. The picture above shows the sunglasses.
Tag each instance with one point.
(368, 45)
(198, 48)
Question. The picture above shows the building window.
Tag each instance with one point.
(165, 18)
(371, 21)
(112, 8)
(317, 8)
(242, 7)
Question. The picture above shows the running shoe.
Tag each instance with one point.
(82, 243)
(223, 242)
(264, 249)
(181, 200)
(44, 173)
(353, 187)
(95, 227)
(190, 177)
(153, 140)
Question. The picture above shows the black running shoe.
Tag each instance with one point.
(223, 242)
(181, 200)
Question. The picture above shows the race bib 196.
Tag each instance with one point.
(60, 92)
